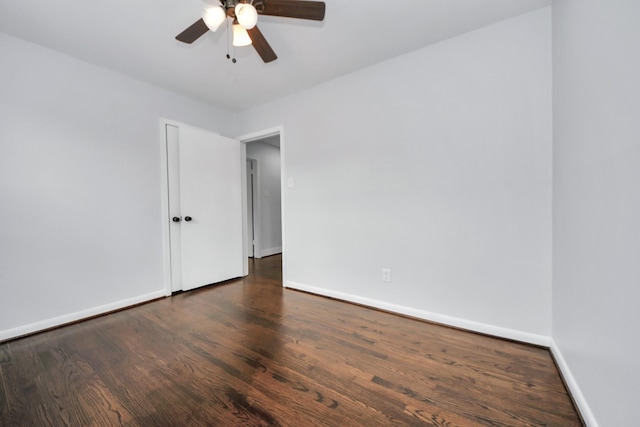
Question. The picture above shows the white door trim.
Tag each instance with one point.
(164, 211)
(255, 211)
(253, 136)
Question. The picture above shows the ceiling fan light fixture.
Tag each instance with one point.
(235, 10)
(247, 15)
(240, 36)
(213, 17)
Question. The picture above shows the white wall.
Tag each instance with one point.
(268, 157)
(437, 165)
(596, 204)
(80, 216)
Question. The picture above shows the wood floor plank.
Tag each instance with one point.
(297, 393)
(5, 404)
(173, 390)
(339, 343)
(250, 353)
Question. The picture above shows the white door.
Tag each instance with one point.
(205, 207)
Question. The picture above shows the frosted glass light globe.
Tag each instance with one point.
(247, 15)
(213, 17)
(240, 36)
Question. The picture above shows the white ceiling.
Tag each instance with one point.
(136, 37)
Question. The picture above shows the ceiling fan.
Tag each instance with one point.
(244, 15)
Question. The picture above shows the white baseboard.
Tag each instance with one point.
(457, 322)
(270, 251)
(79, 315)
(574, 389)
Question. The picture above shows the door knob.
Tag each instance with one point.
(175, 219)
(187, 218)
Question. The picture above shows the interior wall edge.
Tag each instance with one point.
(457, 322)
(53, 322)
(574, 389)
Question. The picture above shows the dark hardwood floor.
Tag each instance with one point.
(250, 353)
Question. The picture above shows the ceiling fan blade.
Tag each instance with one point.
(313, 10)
(261, 45)
(194, 32)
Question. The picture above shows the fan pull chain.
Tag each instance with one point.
(233, 51)
(227, 33)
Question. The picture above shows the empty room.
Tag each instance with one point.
(332, 213)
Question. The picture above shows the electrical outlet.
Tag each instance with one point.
(386, 275)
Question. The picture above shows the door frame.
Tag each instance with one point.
(165, 211)
(255, 212)
(251, 137)
(164, 193)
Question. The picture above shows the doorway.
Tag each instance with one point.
(266, 148)
(264, 212)
(167, 127)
